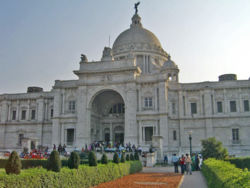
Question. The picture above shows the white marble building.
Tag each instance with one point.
(130, 95)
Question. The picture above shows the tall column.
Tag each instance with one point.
(40, 110)
(18, 113)
(4, 112)
(111, 131)
(4, 115)
(56, 115)
(28, 111)
(140, 133)
(163, 108)
(83, 118)
(208, 113)
(130, 115)
(40, 119)
(62, 141)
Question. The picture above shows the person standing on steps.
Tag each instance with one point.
(175, 160)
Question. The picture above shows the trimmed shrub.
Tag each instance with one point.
(84, 155)
(123, 158)
(54, 162)
(85, 176)
(222, 174)
(13, 165)
(131, 157)
(104, 159)
(127, 157)
(116, 158)
(74, 160)
(92, 159)
(136, 156)
(240, 162)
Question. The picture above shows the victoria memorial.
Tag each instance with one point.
(132, 95)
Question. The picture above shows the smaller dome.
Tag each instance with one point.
(170, 64)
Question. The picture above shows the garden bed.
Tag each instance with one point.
(159, 180)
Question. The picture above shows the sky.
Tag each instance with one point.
(41, 41)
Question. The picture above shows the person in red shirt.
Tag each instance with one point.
(182, 163)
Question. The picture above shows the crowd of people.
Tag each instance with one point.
(187, 163)
(111, 147)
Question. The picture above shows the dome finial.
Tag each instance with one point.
(136, 7)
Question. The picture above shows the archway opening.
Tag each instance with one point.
(107, 118)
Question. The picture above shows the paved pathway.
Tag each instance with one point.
(196, 180)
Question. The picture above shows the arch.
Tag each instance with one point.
(99, 90)
(99, 105)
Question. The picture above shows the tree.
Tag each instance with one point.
(123, 158)
(131, 157)
(14, 164)
(104, 159)
(54, 162)
(74, 160)
(211, 148)
(136, 156)
(92, 159)
(116, 158)
(127, 157)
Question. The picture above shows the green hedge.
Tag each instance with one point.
(31, 163)
(85, 176)
(240, 162)
(222, 174)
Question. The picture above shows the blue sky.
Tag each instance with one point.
(41, 41)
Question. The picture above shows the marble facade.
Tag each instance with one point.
(131, 95)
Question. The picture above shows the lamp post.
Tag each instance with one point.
(190, 141)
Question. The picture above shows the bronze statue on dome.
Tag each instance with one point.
(136, 7)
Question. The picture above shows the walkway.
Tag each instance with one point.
(196, 180)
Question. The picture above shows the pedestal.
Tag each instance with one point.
(151, 159)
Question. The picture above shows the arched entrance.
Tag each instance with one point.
(107, 117)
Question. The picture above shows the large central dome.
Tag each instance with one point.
(135, 39)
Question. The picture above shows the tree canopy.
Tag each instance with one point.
(212, 148)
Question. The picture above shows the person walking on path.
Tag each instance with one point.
(188, 164)
(200, 161)
(193, 162)
(182, 163)
(165, 159)
(175, 160)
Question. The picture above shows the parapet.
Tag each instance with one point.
(34, 89)
(227, 77)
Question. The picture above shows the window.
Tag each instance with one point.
(148, 102)
(33, 114)
(23, 117)
(117, 109)
(51, 113)
(72, 106)
(235, 134)
(174, 135)
(70, 136)
(233, 106)
(219, 107)
(20, 137)
(193, 108)
(246, 105)
(173, 108)
(14, 115)
(148, 133)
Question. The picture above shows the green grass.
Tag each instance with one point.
(2, 171)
